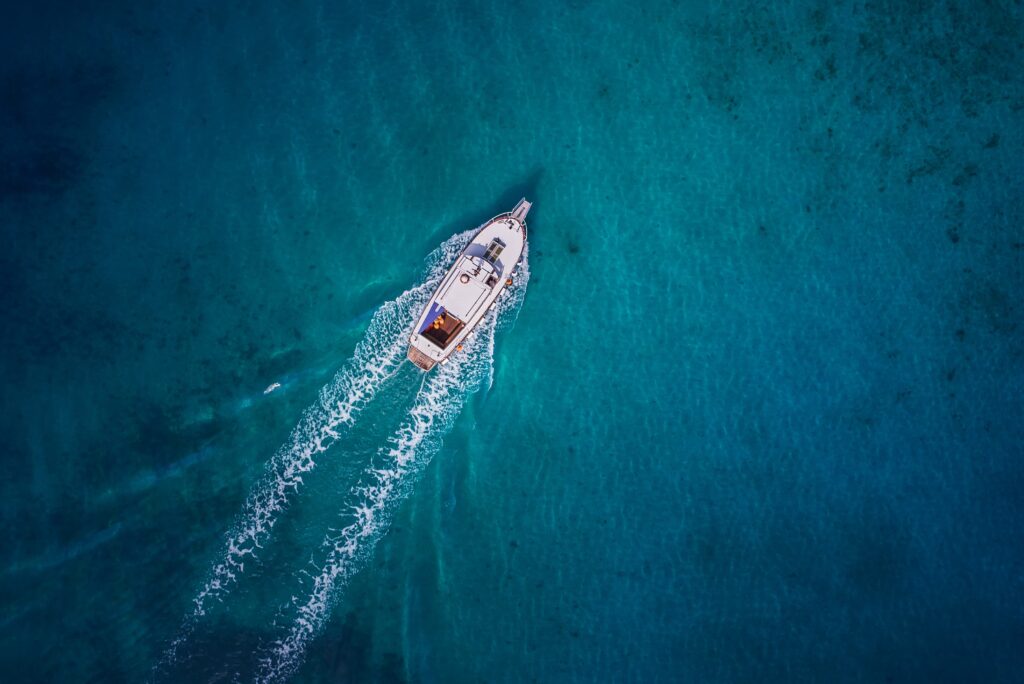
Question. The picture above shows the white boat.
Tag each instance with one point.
(469, 288)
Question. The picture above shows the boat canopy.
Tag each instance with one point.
(463, 298)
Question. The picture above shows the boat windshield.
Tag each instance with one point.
(494, 250)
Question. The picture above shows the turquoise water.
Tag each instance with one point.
(754, 414)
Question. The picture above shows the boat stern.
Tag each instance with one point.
(420, 359)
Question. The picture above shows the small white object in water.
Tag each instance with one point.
(271, 388)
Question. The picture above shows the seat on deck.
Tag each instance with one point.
(443, 334)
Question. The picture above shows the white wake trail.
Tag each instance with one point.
(376, 359)
(390, 479)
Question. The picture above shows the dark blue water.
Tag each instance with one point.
(753, 412)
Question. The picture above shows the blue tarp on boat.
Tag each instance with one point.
(435, 311)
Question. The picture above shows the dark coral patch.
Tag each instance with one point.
(48, 168)
(44, 117)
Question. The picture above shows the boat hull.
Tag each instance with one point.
(481, 272)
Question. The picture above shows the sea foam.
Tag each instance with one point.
(389, 479)
(376, 359)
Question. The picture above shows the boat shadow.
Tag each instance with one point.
(505, 201)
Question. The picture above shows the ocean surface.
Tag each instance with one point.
(752, 412)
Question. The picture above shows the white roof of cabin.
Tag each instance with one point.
(462, 299)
